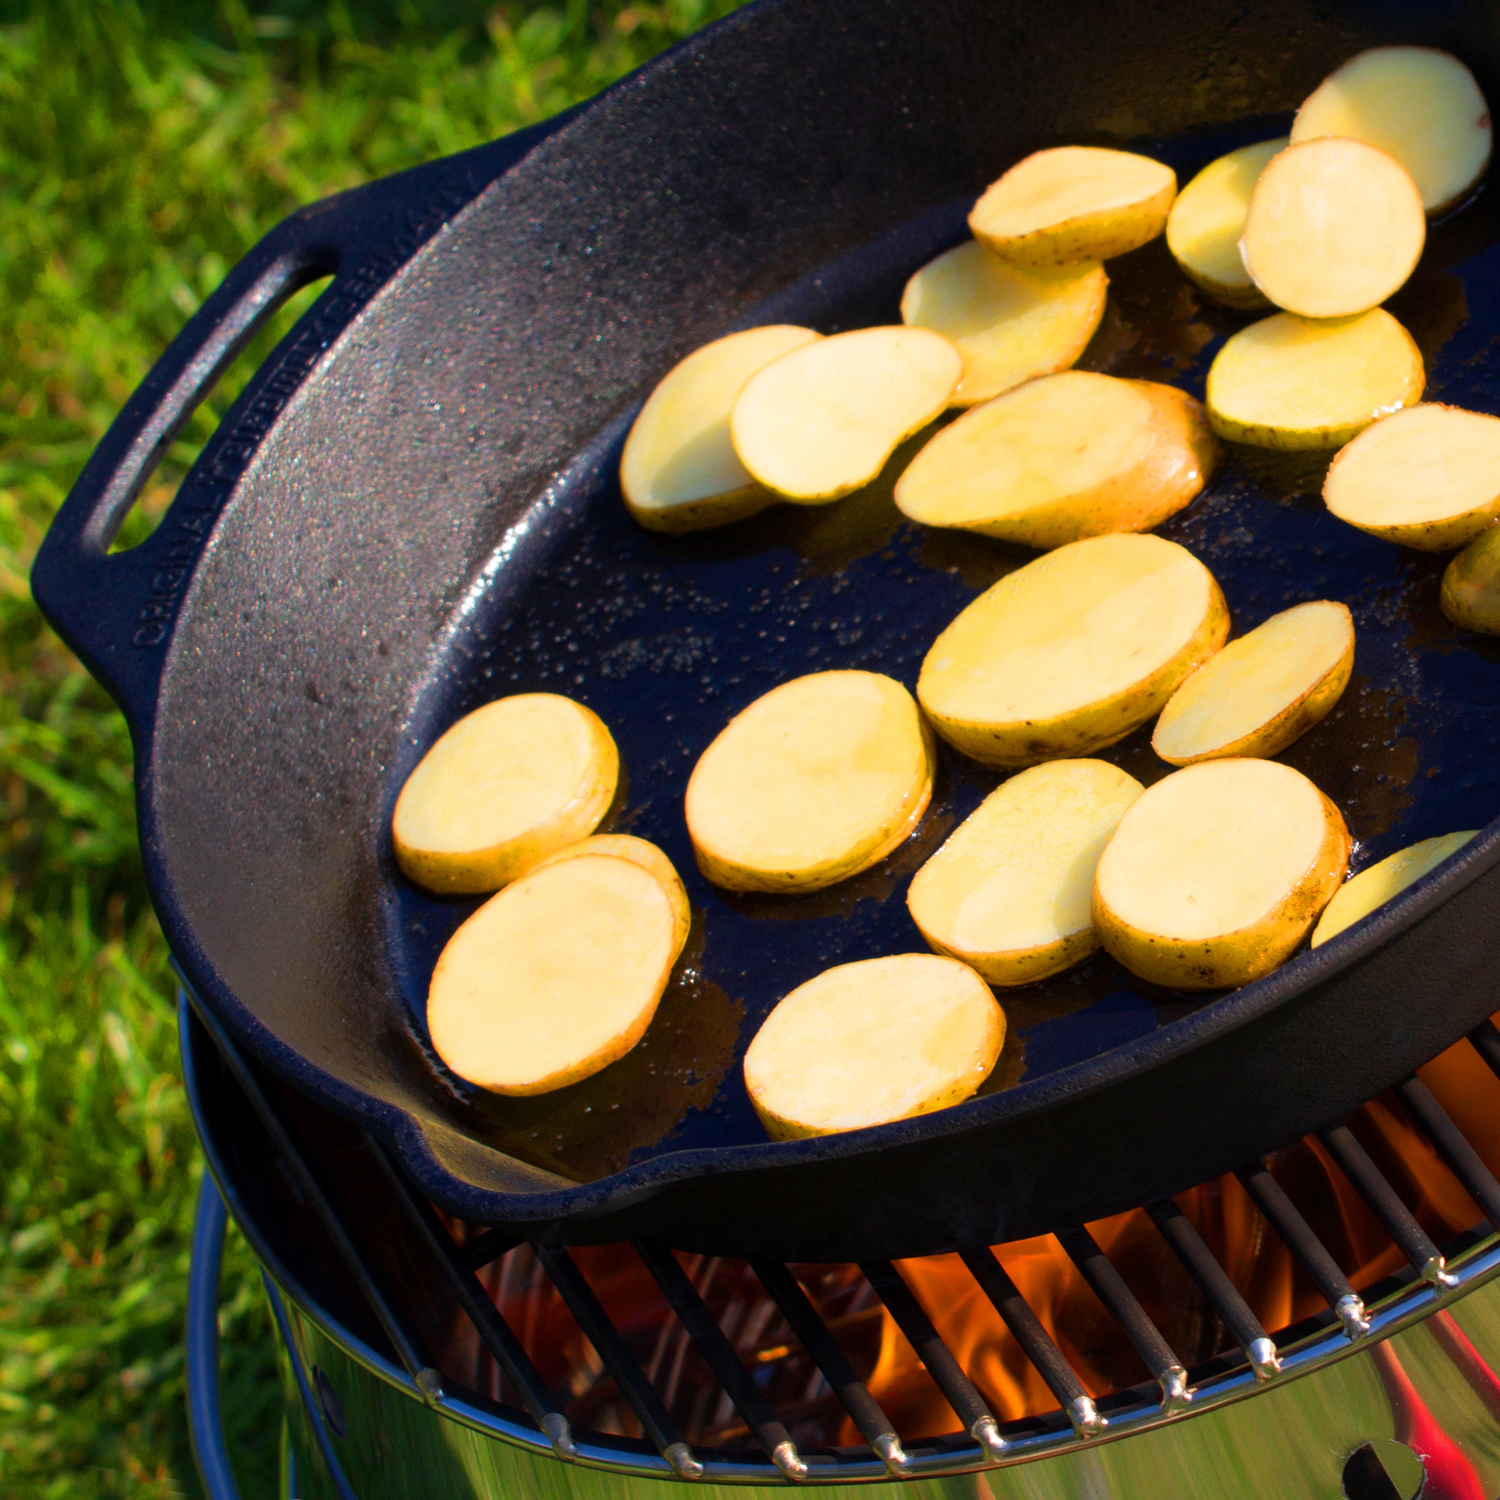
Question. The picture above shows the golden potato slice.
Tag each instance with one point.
(1420, 105)
(554, 978)
(1011, 891)
(1375, 886)
(1063, 457)
(1208, 218)
(649, 858)
(1007, 322)
(1217, 872)
(1334, 227)
(1072, 204)
(1427, 477)
(817, 780)
(503, 788)
(1262, 691)
(1073, 651)
(822, 420)
(863, 1043)
(679, 471)
(1471, 585)
(1293, 383)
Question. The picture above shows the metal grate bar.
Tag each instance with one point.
(853, 1395)
(1486, 1042)
(1198, 1260)
(1121, 1304)
(1036, 1343)
(477, 1253)
(1461, 1157)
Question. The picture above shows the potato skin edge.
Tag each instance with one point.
(1470, 594)
(1101, 235)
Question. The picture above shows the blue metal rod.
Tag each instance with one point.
(205, 1421)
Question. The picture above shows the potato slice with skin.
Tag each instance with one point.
(1296, 383)
(1427, 477)
(555, 977)
(1334, 227)
(1011, 891)
(1073, 204)
(679, 471)
(1263, 691)
(1073, 651)
(1217, 872)
(815, 781)
(1373, 887)
(869, 1042)
(1471, 585)
(649, 858)
(1208, 218)
(1063, 457)
(1007, 322)
(503, 788)
(1420, 105)
(822, 420)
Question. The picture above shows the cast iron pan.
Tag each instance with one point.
(413, 509)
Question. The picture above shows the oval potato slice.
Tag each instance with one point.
(1208, 218)
(1011, 891)
(1063, 457)
(873, 1041)
(1009, 323)
(1373, 887)
(1296, 383)
(1471, 585)
(555, 977)
(1073, 204)
(1217, 872)
(1427, 477)
(822, 420)
(503, 788)
(1073, 651)
(815, 781)
(679, 471)
(1420, 105)
(649, 858)
(1263, 691)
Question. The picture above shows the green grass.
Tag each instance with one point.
(143, 149)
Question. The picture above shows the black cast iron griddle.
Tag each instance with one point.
(413, 509)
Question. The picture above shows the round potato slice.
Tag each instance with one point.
(1217, 872)
(822, 420)
(555, 977)
(649, 858)
(679, 471)
(1073, 651)
(1208, 218)
(868, 1042)
(1073, 204)
(1420, 105)
(1007, 322)
(1427, 477)
(503, 788)
(1262, 691)
(817, 780)
(1010, 893)
(1471, 585)
(1063, 457)
(1334, 227)
(1293, 383)
(1372, 888)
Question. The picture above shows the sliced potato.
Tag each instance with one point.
(1073, 651)
(1427, 477)
(679, 471)
(1334, 227)
(1073, 204)
(1011, 891)
(1208, 218)
(1471, 585)
(822, 420)
(649, 858)
(1262, 691)
(817, 780)
(868, 1042)
(1009, 323)
(1375, 886)
(1217, 872)
(504, 787)
(1063, 457)
(1420, 105)
(1294, 383)
(554, 978)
